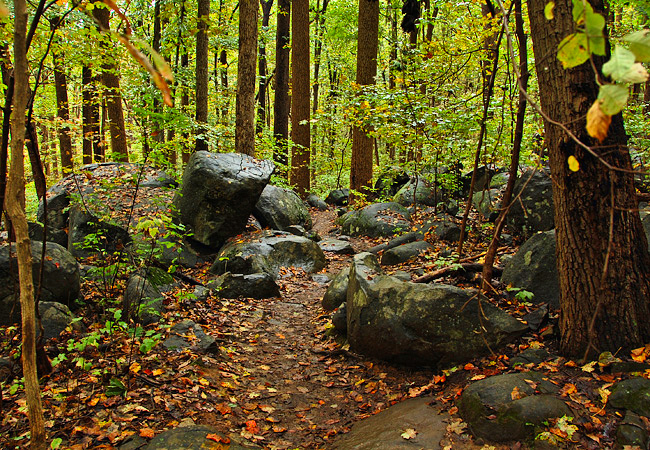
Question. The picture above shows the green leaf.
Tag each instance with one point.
(619, 64)
(613, 98)
(595, 25)
(579, 12)
(572, 51)
(548, 10)
(639, 44)
(116, 387)
(56, 443)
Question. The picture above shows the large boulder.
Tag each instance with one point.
(533, 210)
(487, 203)
(219, 193)
(89, 235)
(419, 190)
(268, 252)
(377, 220)
(279, 208)
(142, 300)
(389, 182)
(419, 324)
(194, 437)
(55, 317)
(404, 252)
(61, 282)
(632, 395)
(534, 269)
(337, 291)
(255, 285)
(338, 197)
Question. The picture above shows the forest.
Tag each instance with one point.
(239, 225)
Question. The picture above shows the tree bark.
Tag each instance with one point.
(157, 134)
(282, 103)
(61, 88)
(92, 149)
(15, 202)
(602, 251)
(245, 107)
(300, 98)
(263, 67)
(202, 74)
(362, 144)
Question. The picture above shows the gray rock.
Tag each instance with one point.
(629, 367)
(61, 280)
(405, 238)
(417, 324)
(377, 220)
(534, 269)
(189, 335)
(384, 430)
(445, 230)
(317, 202)
(492, 413)
(55, 317)
(255, 285)
(404, 252)
(278, 208)
(58, 202)
(340, 319)
(531, 356)
(218, 193)
(633, 395)
(321, 278)
(336, 246)
(174, 251)
(336, 291)
(268, 251)
(338, 197)
(499, 180)
(89, 235)
(482, 180)
(142, 301)
(533, 211)
(201, 294)
(192, 438)
(631, 432)
(487, 203)
(420, 190)
(389, 182)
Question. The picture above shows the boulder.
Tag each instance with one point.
(419, 190)
(255, 285)
(389, 182)
(55, 317)
(533, 268)
(376, 220)
(89, 235)
(61, 280)
(533, 211)
(633, 395)
(194, 437)
(337, 246)
(631, 432)
(317, 202)
(189, 335)
(487, 203)
(218, 194)
(338, 197)
(142, 301)
(481, 182)
(499, 180)
(404, 252)
(337, 291)
(418, 324)
(37, 233)
(445, 229)
(58, 202)
(279, 208)
(340, 320)
(493, 412)
(405, 238)
(268, 251)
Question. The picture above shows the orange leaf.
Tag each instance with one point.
(147, 433)
(217, 438)
(597, 122)
(251, 427)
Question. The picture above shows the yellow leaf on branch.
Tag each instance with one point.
(597, 122)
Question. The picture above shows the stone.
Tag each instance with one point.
(499, 180)
(399, 240)
(317, 202)
(445, 230)
(337, 291)
(254, 285)
(189, 335)
(61, 279)
(493, 413)
(340, 319)
(88, 235)
(55, 317)
(487, 203)
(268, 251)
(421, 191)
(338, 197)
(142, 301)
(37, 233)
(482, 180)
(337, 246)
(533, 211)
(404, 252)
(417, 324)
(58, 202)
(633, 395)
(194, 438)
(376, 220)
(631, 432)
(389, 182)
(533, 268)
(218, 194)
(531, 356)
(384, 430)
(172, 251)
(278, 208)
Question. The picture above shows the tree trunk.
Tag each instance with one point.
(61, 88)
(15, 202)
(202, 74)
(362, 144)
(92, 150)
(263, 67)
(185, 101)
(245, 107)
(602, 251)
(282, 105)
(112, 94)
(300, 101)
(157, 135)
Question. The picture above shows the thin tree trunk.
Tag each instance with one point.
(157, 135)
(245, 107)
(282, 104)
(263, 67)
(202, 74)
(61, 88)
(185, 101)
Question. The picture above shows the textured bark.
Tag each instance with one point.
(92, 149)
(362, 144)
(185, 101)
(61, 88)
(282, 103)
(263, 67)
(245, 107)
(113, 94)
(604, 289)
(15, 202)
(202, 73)
(157, 135)
(300, 97)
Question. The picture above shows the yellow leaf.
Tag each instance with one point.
(548, 10)
(204, 382)
(597, 122)
(409, 433)
(135, 367)
(574, 165)
(157, 372)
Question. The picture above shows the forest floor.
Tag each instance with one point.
(280, 379)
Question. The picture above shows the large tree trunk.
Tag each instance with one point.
(16, 210)
(61, 88)
(263, 67)
(202, 74)
(300, 127)
(362, 144)
(113, 94)
(282, 104)
(92, 149)
(602, 251)
(245, 107)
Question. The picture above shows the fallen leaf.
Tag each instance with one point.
(147, 433)
(218, 438)
(409, 433)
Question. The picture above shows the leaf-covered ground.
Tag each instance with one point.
(279, 380)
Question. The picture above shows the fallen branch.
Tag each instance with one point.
(466, 267)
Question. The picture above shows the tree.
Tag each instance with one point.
(263, 66)
(602, 251)
(92, 149)
(61, 88)
(362, 144)
(300, 98)
(282, 104)
(202, 73)
(245, 106)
